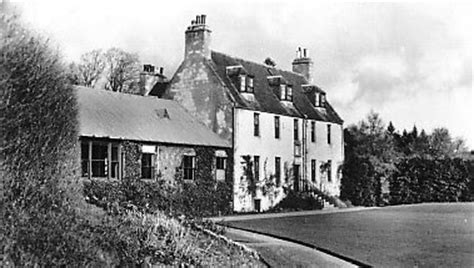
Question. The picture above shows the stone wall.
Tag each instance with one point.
(200, 92)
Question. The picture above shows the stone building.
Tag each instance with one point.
(124, 135)
(281, 127)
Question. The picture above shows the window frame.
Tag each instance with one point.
(250, 85)
(151, 167)
(189, 171)
(221, 161)
(256, 124)
(243, 83)
(278, 171)
(112, 163)
(329, 170)
(296, 130)
(256, 167)
(328, 133)
(313, 170)
(277, 127)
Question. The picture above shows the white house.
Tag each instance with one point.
(283, 131)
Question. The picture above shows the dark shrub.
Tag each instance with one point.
(199, 199)
(298, 201)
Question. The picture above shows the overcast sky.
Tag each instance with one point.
(412, 63)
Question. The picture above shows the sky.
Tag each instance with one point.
(410, 62)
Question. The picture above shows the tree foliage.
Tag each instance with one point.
(381, 166)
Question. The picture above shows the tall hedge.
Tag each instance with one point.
(38, 154)
(432, 180)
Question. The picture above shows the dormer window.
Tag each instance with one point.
(286, 92)
(319, 99)
(246, 84)
(243, 85)
(322, 100)
(282, 92)
(250, 84)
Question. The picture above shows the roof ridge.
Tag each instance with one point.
(257, 63)
(149, 97)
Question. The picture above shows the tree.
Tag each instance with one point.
(122, 70)
(441, 143)
(89, 69)
(368, 144)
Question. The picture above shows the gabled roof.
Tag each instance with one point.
(265, 99)
(107, 114)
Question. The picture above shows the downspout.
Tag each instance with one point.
(305, 152)
(233, 156)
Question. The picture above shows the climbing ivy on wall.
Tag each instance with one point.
(132, 157)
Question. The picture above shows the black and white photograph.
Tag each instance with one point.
(245, 133)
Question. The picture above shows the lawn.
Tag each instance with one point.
(425, 235)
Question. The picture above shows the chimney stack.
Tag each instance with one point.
(197, 39)
(303, 64)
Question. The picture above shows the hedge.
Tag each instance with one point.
(39, 190)
(432, 180)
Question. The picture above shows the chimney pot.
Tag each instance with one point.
(198, 19)
(304, 52)
(161, 70)
(203, 19)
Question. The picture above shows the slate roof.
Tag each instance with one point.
(107, 114)
(265, 99)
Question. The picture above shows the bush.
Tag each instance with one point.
(199, 199)
(297, 201)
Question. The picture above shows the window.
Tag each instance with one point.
(85, 159)
(242, 83)
(246, 84)
(100, 159)
(189, 167)
(256, 161)
(329, 134)
(277, 171)
(316, 99)
(289, 93)
(286, 92)
(277, 127)
(282, 91)
(220, 163)
(115, 162)
(296, 130)
(329, 170)
(256, 125)
(322, 100)
(148, 167)
(313, 170)
(250, 85)
(313, 131)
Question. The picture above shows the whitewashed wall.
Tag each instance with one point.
(267, 147)
(321, 151)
